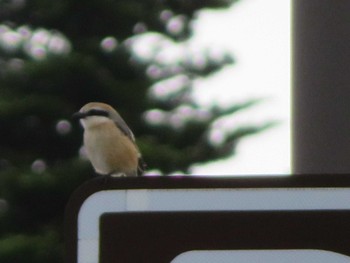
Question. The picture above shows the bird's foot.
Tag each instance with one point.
(117, 175)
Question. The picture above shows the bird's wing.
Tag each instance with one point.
(120, 123)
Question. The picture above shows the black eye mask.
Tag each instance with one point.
(96, 112)
(92, 112)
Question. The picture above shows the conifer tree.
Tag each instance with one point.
(56, 56)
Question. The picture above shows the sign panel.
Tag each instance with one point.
(253, 256)
(191, 219)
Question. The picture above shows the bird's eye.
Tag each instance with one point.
(97, 112)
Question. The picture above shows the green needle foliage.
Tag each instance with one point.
(56, 56)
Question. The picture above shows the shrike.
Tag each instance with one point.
(109, 143)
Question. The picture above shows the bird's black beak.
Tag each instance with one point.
(78, 115)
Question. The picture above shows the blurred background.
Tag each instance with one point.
(204, 85)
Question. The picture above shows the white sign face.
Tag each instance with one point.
(261, 256)
(198, 200)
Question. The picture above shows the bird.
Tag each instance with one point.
(109, 143)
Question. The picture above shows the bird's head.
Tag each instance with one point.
(95, 113)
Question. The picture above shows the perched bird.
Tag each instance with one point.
(109, 143)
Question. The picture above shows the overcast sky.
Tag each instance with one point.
(257, 32)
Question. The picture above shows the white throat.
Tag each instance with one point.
(93, 121)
